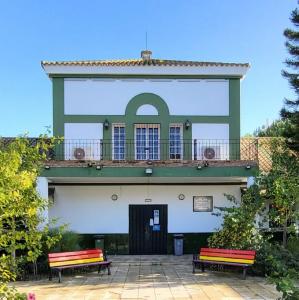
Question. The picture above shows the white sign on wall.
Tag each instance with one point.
(156, 216)
(203, 203)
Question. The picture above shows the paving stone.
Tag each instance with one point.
(147, 277)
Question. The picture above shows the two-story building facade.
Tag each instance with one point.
(149, 149)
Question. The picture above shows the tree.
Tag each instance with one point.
(281, 186)
(278, 128)
(21, 207)
(239, 230)
(290, 110)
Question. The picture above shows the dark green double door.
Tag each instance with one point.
(148, 229)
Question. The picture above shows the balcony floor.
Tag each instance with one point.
(160, 163)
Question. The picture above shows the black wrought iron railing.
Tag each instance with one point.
(154, 149)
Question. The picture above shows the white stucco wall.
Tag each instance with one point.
(211, 135)
(89, 209)
(42, 189)
(110, 97)
(83, 135)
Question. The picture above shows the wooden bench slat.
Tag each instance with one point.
(239, 258)
(76, 262)
(91, 251)
(229, 255)
(108, 262)
(226, 263)
(73, 257)
(232, 251)
(225, 259)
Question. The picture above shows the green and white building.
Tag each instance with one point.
(150, 148)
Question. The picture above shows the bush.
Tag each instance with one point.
(70, 241)
(293, 246)
(239, 231)
(238, 228)
(282, 269)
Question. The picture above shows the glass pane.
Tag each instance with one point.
(147, 142)
(175, 142)
(119, 143)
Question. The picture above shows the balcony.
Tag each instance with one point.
(155, 151)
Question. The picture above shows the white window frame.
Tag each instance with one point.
(147, 126)
(177, 125)
(122, 125)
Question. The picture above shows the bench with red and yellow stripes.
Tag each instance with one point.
(74, 259)
(232, 257)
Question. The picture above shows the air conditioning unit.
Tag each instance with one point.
(79, 153)
(210, 152)
(83, 153)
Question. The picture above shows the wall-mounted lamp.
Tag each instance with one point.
(187, 124)
(206, 163)
(248, 167)
(47, 167)
(106, 124)
(148, 171)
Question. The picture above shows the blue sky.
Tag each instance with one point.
(214, 30)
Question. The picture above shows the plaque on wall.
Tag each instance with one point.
(203, 203)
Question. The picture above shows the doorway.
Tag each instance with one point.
(148, 229)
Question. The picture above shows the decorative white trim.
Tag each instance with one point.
(149, 70)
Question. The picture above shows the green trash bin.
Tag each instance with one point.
(99, 241)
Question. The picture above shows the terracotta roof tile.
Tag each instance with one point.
(141, 62)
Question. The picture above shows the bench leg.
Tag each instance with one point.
(202, 267)
(244, 273)
(193, 267)
(59, 276)
(50, 275)
(108, 267)
(100, 268)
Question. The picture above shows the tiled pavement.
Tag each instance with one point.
(152, 277)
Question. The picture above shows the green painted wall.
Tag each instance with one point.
(157, 172)
(234, 114)
(119, 243)
(163, 118)
(58, 106)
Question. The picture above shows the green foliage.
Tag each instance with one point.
(278, 128)
(7, 275)
(69, 241)
(21, 207)
(239, 228)
(10, 293)
(279, 187)
(282, 269)
(293, 246)
(290, 110)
